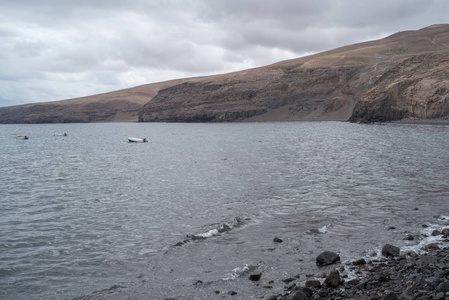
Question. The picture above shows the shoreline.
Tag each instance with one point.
(404, 276)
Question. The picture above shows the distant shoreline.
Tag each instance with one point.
(423, 121)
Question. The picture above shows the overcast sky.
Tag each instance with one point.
(56, 49)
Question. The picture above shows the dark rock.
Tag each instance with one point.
(327, 258)
(409, 237)
(390, 250)
(391, 228)
(313, 283)
(255, 277)
(436, 233)
(445, 231)
(333, 280)
(407, 295)
(389, 295)
(359, 262)
(232, 293)
(277, 240)
(432, 246)
(383, 278)
(443, 287)
(308, 292)
(288, 280)
(440, 296)
(299, 295)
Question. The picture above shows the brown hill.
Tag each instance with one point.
(402, 76)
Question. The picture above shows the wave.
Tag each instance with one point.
(216, 231)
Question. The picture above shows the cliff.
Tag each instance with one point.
(403, 76)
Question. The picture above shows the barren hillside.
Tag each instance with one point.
(402, 76)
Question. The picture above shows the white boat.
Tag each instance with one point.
(137, 140)
(61, 134)
(22, 137)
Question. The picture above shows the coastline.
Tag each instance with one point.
(406, 276)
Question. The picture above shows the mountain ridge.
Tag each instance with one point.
(402, 76)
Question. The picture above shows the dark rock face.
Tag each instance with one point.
(413, 88)
(244, 96)
(327, 258)
(76, 113)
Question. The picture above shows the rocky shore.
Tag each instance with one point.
(394, 275)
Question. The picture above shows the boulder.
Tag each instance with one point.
(255, 277)
(299, 295)
(333, 279)
(390, 250)
(327, 258)
(313, 283)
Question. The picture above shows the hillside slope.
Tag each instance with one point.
(402, 76)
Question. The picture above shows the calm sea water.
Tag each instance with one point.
(194, 211)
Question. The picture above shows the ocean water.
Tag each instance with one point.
(193, 212)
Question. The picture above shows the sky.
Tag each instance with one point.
(55, 50)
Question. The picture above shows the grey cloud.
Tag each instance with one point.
(52, 50)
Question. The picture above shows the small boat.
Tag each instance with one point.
(61, 134)
(137, 140)
(22, 137)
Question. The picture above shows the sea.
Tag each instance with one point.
(192, 213)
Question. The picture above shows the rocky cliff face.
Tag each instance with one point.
(402, 76)
(416, 88)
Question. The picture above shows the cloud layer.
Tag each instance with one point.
(53, 50)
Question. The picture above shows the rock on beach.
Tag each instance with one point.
(327, 258)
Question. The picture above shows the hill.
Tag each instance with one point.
(403, 76)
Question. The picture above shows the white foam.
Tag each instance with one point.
(210, 233)
(322, 229)
(237, 272)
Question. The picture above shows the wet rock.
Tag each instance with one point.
(432, 246)
(313, 283)
(409, 237)
(288, 280)
(436, 233)
(327, 258)
(333, 280)
(299, 295)
(255, 277)
(359, 262)
(445, 231)
(390, 250)
(277, 240)
(308, 292)
(232, 293)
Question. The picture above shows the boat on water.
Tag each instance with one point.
(61, 134)
(137, 140)
(22, 137)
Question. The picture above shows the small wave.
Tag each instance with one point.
(237, 272)
(221, 228)
(319, 230)
(225, 227)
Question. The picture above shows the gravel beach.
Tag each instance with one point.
(392, 276)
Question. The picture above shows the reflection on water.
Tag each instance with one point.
(87, 211)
